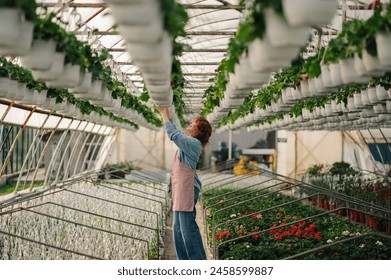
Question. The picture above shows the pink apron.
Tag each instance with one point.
(182, 180)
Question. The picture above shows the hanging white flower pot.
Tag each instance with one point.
(372, 65)
(349, 74)
(12, 89)
(296, 94)
(135, 13)
(146, 33)
(84, 84)
(249, 76)
(30, 98)
(40, 56)
(54, 72)
(281, 34)
(95, 89)
(20, 92)
(309, 12)
(10, 26)
(4, 86)
(319, 86)
(372, 95)
(326, 77)
(287, 96)
(358, 101)
(163, 99)
(149, 52)
(41, 100)
(383, 44)
(380, 109)
(159, 87)
(334, 106)
(235, 81)
(22, 44)
(304, 89)
(365, 98)
(70, 77)
(265, 57)
(312, 87)
(335, 75)
(381, 93)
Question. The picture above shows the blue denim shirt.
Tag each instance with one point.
(190, 148)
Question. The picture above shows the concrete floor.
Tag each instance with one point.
(169, 251)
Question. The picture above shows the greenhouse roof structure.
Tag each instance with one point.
(212, 23)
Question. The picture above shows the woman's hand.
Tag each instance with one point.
(165, 113)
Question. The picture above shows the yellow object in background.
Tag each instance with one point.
(243, 167)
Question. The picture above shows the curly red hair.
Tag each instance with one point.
(202, 130)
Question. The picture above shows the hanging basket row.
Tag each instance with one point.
(141, 25)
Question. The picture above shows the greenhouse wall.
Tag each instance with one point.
(303, 149)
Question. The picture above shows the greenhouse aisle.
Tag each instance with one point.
(169, 253)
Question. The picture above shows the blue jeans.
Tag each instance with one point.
(187, 237)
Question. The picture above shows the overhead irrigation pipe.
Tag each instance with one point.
(33, 149)
(15, 141)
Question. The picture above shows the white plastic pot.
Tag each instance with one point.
(40, 56)
(10, 26)
(281, 34)
(372, 65)
(326, 78)
(309, 12)
(22, 44)
(135, 13)
(249, 76)
(372, 95)
(69, 78)
(381, 93)
(162, 99)
(358, 100)
(264, 57)
(349, 74)
(84, 84)
(365, 98)
(304, 89)
(383, 44)
(149, 52)
(54, 72)
(4, 86)
(146, 33)
(335, 75)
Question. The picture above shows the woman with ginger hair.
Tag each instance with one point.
(186, 185)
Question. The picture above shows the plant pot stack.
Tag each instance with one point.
(16, 33)
(149, 45)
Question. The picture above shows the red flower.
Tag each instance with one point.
(256, 216)
(287, 218)
(374, 4)
(256, 235)
(279, 214)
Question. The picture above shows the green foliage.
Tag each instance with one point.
(342, 168)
